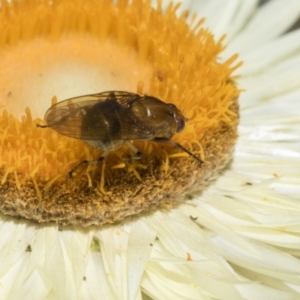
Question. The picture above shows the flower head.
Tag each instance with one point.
(238, 239)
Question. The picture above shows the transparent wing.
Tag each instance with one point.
(103, 116)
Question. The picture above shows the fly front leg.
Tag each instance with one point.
(163, 139)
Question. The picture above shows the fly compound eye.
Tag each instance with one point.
(180, 125)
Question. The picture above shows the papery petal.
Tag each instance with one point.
(271, 53)
(270, 21)
(125, 251)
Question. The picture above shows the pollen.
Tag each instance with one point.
(55, 50)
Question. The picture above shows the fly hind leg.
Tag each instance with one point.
(88, 163)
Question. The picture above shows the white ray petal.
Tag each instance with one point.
(241, 16)
(217, 13)
(15, 279)
(282, 111)
(165, 287)
(15, 238)
(243, 289)
(33, 282)
(271, 282)
(258, 93)
(113, 243)
(141, 239)
(262, 259)
(243, 251)
(271, 53)
(271, 20)
(184, 5)
(125, 251)
(95, 283)
(66, 249)
(224, 17)
(173, 277)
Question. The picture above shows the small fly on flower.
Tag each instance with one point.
(110, 119)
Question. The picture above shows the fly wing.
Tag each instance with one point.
(103, 116)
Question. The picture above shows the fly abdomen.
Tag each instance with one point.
(101, 122)
(105, 145)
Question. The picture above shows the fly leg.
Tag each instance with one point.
(137, 153)
(132, 166)
(87, 163)
(42, 126)
(163, 139)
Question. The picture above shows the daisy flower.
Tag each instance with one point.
(236, 239)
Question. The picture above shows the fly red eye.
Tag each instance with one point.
(180, 125)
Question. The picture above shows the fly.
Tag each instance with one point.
(110, 119)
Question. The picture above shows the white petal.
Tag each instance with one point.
(271, 20)
(58, 252)
(184, 5)
(15, 282)
(224, 17)
(125, 251)
(271, 53)
(261, 258)
(113, 245)
(140, 243)
(33, 288)
(14, 241)
(95, 283)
